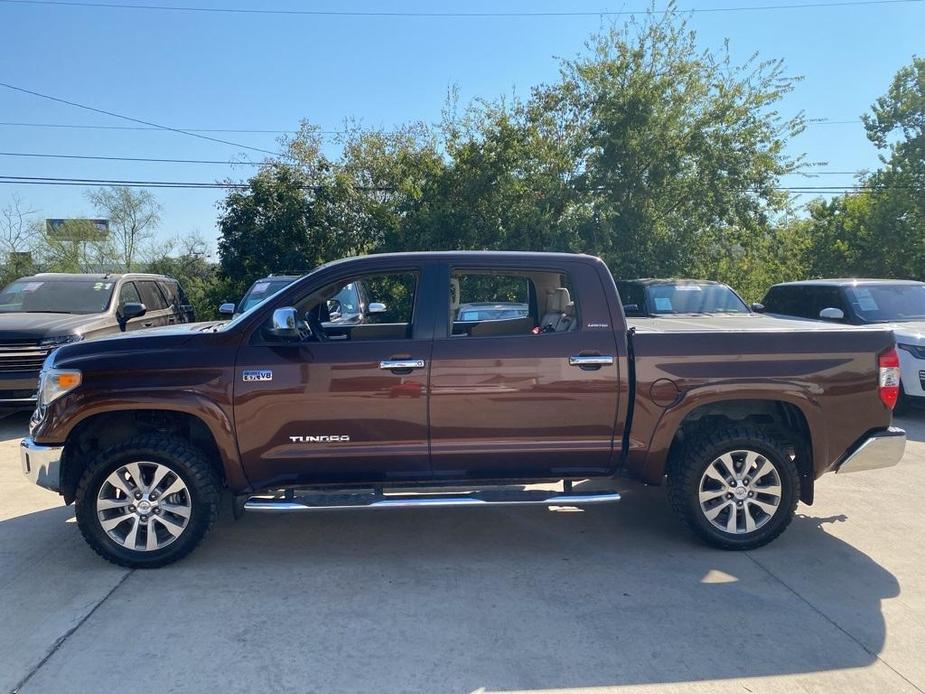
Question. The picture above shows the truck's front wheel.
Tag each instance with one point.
(147, 502)
(736, 488)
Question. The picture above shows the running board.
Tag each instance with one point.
(333, 502)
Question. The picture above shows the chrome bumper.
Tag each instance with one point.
(883, 449)
(41, 464)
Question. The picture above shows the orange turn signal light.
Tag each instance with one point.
(67, 380)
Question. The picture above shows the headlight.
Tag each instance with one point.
(918, 351)
(60, 340)
(56, 382)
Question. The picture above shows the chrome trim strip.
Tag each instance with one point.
(41, 464)
(283, 505)
(401, 364)
(880, 450)
(591, 360)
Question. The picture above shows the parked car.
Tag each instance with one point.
(350, 305)
(898, 304)
(143, 435)
(651, 298)
(42, 312)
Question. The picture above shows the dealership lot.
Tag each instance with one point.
(500, 599)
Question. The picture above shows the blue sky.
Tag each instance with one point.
(208, 70)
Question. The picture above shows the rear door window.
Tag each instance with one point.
(151, 295)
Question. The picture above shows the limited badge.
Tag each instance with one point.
(258, 375)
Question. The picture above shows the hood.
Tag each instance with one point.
(909, 332)
(166, 330)
(753, 322)
(24, 326)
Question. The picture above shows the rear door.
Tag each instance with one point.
(511, 397)
(351, 407)
(158, 312)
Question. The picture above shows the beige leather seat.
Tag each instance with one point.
(560, 311)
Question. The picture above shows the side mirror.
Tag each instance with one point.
(226, 309)
(284, 323)
(630, 308)
(832, 314)
(758, 307)
(129, 310)
(376, 307)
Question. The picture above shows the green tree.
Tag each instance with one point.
(879, 230)
(133, 219)
(288, 220)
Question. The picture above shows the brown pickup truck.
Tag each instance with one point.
(431, 403)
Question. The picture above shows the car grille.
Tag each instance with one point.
(922, 379)
(22, 356)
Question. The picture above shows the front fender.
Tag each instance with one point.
(64, 417)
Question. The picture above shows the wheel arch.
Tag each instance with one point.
(107, 427)
(794, 420)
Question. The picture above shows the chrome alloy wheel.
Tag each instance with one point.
(740, 491)
(143, 506)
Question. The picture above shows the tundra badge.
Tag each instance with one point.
(258, 375)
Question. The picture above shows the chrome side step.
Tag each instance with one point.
(333, 502)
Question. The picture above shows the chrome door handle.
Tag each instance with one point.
(401, 364)
(591, 360)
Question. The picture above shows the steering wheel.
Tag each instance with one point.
(311, 318)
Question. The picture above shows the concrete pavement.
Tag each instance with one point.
(462, 600)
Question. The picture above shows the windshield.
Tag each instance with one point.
(886, 303)
(83, 295)
(261, 290)
(669, 299)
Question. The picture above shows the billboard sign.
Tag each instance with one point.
(78, 229)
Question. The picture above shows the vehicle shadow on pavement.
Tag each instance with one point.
(450, 600)
(914, 424)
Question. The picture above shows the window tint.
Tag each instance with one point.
(803, 301)
(129, 294)
(492, 304)
(169, 290)
(787, 301)
(395, 292)
(632, 293)
(151, 295)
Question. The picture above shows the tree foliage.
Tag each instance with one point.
(663, 158)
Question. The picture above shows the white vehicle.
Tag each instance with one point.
(899, 304)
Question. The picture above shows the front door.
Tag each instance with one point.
(344, 403)
(508, 400)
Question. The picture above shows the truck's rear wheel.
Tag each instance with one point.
(147, 502)
(736, 488)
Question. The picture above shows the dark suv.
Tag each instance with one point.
(44, 311)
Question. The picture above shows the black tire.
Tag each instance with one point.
(688, 467)
(184, 461)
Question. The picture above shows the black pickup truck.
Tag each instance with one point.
(425, 405)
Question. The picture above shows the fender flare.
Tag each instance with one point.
(672, 418)
(189, 403)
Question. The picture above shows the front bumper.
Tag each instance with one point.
(882, 449)
(41, 464)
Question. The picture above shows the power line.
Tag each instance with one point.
(134, 120)
(133, 159)
(78, 126)
(232, 162)
(442, 15)
(226, 185)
